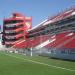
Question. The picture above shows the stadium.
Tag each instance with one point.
(54, 37)
(28, 50)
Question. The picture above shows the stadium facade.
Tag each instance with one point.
(15, 28)
(54, 36)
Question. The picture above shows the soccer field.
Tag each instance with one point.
(17, 64)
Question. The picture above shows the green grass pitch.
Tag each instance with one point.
(17, 64)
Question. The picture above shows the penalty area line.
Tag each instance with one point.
(29, 60)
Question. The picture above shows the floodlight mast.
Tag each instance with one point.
(31, 52)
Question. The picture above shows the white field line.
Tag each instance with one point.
(57, 67)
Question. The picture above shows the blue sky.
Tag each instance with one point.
(38, 9)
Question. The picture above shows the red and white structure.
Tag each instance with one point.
(15, 28)
(55, 35)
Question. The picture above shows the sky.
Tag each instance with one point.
(38, 9)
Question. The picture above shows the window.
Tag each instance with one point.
(9, 28)
(14, 39)
(12, 21)
(20, 26)
(20, 32)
